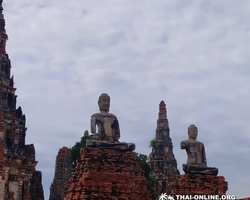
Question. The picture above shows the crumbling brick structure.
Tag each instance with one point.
(106, 174)
(194, 184)
(162, 160)
(18, 176)
(63, 170)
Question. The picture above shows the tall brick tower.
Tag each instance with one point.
(162, 160)
(18, 176)
(63, 172)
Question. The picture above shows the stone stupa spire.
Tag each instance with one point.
(162, 160)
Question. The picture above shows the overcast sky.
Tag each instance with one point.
(194, 55)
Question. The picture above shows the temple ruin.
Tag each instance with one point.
(19, 179)
(162, 160)
(63, 172)
(107, 169)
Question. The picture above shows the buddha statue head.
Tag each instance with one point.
(192, 132)
(104, 102)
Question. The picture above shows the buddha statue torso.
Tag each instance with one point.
(107, 127)
(195, 152)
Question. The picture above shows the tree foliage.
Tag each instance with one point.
(144, 165)
(152, 143)
(75, 150)
(146, 168)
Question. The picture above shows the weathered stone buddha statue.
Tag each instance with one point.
(105, 128)
(196, 162)
(106, 123)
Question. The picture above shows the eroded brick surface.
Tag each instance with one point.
(108, 175)
(36, 186)
(62, 175)
(193, 184)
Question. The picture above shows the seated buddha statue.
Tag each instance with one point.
(196, 161)
(105, 128)
(106, 123)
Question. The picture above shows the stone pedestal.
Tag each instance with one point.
(193, 184)
(104, 174)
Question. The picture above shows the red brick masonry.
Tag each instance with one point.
(104, 174)
(193, 184)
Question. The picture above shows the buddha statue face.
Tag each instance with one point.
(104, 102)
(192, 132)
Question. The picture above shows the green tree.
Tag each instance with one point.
(152, 143)
(75, 150)
(146, 168)
(144, 165)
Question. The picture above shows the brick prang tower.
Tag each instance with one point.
(63, 172)
(18, 176)
(162, 160)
